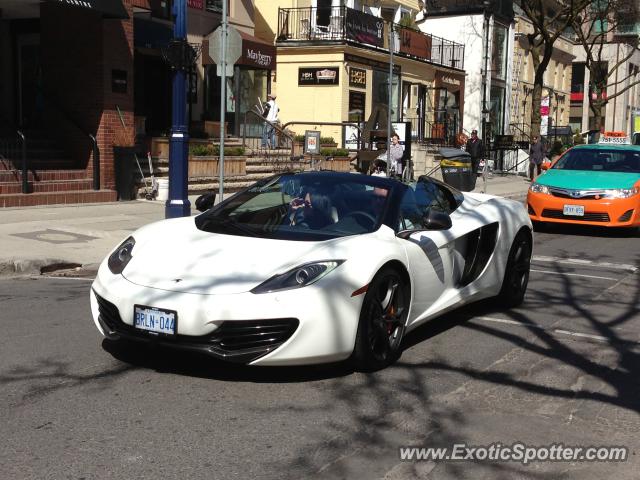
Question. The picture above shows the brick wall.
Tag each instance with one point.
(79, 52)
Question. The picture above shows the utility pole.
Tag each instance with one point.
(177, 204)
(485, 73)
(223, 96)
(390, 96)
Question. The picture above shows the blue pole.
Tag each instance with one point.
(178, 202)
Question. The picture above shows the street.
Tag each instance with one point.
(563, 368)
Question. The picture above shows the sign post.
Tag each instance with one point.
(225, 47)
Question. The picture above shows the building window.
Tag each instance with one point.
(577, 77)
(496, 110)
(380, 92)
(499, 52)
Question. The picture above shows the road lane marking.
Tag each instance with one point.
(557, 331)
(585, 263)
(574, 275)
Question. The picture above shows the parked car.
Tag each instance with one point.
(305, 268)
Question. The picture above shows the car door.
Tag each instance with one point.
(429, 252)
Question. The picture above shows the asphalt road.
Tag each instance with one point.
(563, 368)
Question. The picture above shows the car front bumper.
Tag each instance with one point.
(607, 212)
(314, 324)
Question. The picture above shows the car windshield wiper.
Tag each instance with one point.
(215, 221)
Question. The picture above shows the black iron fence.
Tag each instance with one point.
(267, 140)
(347, 25)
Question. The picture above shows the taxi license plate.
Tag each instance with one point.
(154, 319)
(573, 210)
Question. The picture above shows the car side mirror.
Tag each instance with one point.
(205, 202)
(436, 220)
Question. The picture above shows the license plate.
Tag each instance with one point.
(154, 320)
(573, 210)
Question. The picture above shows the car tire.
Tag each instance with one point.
(516, 274)
(382, 322)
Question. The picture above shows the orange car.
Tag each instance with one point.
(590, 185)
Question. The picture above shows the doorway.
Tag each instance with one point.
(30, 90)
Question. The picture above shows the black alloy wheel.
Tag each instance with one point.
(516, 276)
(382, 322)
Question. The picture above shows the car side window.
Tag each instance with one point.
(419, 199)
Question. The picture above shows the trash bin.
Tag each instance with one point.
(124, 165)
(457, 170)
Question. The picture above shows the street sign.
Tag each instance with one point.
(233, 49)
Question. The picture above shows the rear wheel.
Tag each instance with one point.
(382, 322)
(516, 275)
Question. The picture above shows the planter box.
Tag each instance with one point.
(338, 164)
(160, 145)
(208, 167)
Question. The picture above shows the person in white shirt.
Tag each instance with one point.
(271, 115)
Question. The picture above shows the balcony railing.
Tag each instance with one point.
(631, 29)
(346, 25)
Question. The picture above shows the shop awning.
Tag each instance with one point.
(255, 52)
(108, 8)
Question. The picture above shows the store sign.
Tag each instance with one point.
(364, 28)
(415, 43)
(371, 63)
(357, 78)
(318, 76)
(199, 4)
(450, 81)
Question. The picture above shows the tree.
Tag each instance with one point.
(605, 24)
(550, 19)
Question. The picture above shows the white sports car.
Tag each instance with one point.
(313, 267)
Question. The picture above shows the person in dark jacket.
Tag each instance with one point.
(475, 148)
(537, 153)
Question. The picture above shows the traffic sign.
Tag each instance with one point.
(233, 49)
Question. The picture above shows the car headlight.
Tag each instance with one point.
(537, 188)
(298, 277)
(621, 192)
(121, 256)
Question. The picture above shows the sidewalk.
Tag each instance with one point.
(42, 239)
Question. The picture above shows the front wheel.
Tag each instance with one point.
(382, 322)
(516, 275)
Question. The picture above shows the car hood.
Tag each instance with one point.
(587, 180)
(175, 255)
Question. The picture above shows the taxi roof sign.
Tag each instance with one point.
(619, 138)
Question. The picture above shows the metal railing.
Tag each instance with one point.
(256, 132)
(95, 150)
(14, 151)
(433, 133)
(347, 25)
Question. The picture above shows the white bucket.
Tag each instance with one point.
(163, 189)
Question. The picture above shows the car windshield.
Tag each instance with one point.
(303, 206)
(600, 160)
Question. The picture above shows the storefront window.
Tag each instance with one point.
(381, 92)
(253, 87)
(214, 5)
(499, 52)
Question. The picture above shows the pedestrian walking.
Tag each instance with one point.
(475, 148)
(537, 152)
(270, 113)
(396, 152)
